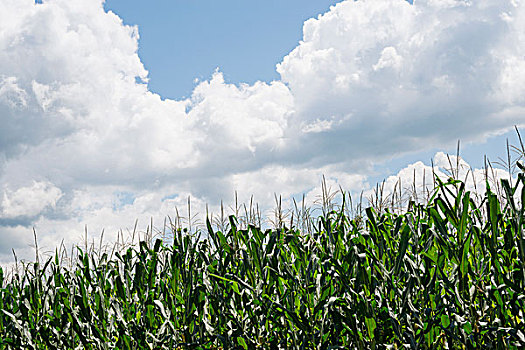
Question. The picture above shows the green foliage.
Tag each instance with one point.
(447, 274)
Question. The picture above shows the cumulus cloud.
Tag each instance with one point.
(83, 140)
(416, 182)
(409, 75)
(29, 201)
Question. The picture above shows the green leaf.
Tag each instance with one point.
(464, 255)
(403, 245)
(235, 287)
(224, 243)
(467, 327)
(370, 326)
(242, 342)
(445, 321)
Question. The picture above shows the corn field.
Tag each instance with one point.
(446, 274)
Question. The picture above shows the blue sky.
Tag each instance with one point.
(186, 40)
(101, 127)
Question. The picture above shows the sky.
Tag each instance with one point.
(119, 111)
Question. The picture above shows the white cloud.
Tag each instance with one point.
(389, 59)
(11, 94)
(416, 181)
(246, 116)
(29, 202)
(411, 76)
(317, 125)
(369, 81)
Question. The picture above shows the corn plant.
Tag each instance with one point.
(446, 274)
